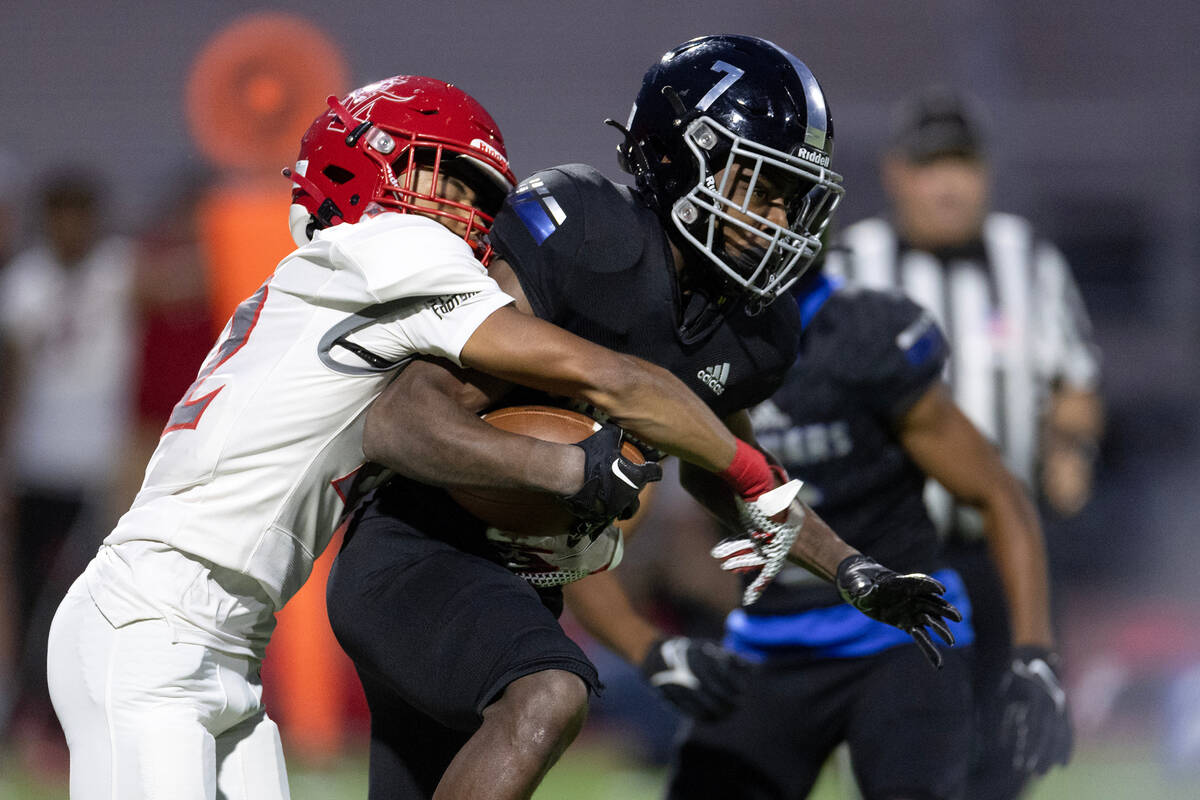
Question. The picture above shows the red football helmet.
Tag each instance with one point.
(357, 158)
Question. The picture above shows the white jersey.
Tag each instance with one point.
(253, 466)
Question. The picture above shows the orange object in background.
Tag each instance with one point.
(257, 86)
(253, 91)
(243, 227)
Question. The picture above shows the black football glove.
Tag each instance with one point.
(697, 676)
(611, 482)
(1035, 728)
(912, 602)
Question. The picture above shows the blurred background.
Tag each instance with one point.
(149, 137)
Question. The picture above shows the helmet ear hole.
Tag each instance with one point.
(338, 175)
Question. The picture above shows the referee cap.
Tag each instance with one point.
(935, 122)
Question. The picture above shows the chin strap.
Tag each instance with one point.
(328, 210)
(630, 157)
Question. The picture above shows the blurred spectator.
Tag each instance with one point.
(175, 319)
(66, 324)
(1023, 366)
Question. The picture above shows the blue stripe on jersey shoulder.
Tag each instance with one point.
(840, 631)
(811, 301)
(926, 346)
(535, 217)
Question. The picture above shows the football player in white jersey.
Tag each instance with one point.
(154, 653)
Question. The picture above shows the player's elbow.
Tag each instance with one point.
(1004, 490)
(1005, 497)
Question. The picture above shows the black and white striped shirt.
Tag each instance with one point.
(1016, 324)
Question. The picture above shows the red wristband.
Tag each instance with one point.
(749, 474)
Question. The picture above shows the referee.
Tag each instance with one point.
(1023, 366)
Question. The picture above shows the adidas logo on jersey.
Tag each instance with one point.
(715, 376)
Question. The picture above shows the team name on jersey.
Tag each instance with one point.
(804, 445)
(447, 303)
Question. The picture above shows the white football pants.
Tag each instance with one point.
(148, 719)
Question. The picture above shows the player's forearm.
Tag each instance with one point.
(656, 407)
(603, 608)
(818, 549)
(1013, 533)
(1018, 550)
(451, 446)
(487, 459)
(641, 397)
(948, 448)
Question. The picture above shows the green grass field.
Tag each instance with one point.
(1100, 773)
(591, 771)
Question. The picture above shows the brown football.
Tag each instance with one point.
(532, 513)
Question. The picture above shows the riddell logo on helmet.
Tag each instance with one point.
(480, 144)
(820, 159)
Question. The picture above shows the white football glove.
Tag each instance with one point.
(770, 525)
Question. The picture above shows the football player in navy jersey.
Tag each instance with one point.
(1024, 366)
(863, 417)
(474, 688)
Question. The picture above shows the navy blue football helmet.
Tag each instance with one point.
(715, 101)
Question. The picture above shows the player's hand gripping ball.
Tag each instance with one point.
(609, 471)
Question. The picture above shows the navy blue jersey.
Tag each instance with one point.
(593, 258)
(865, 357)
